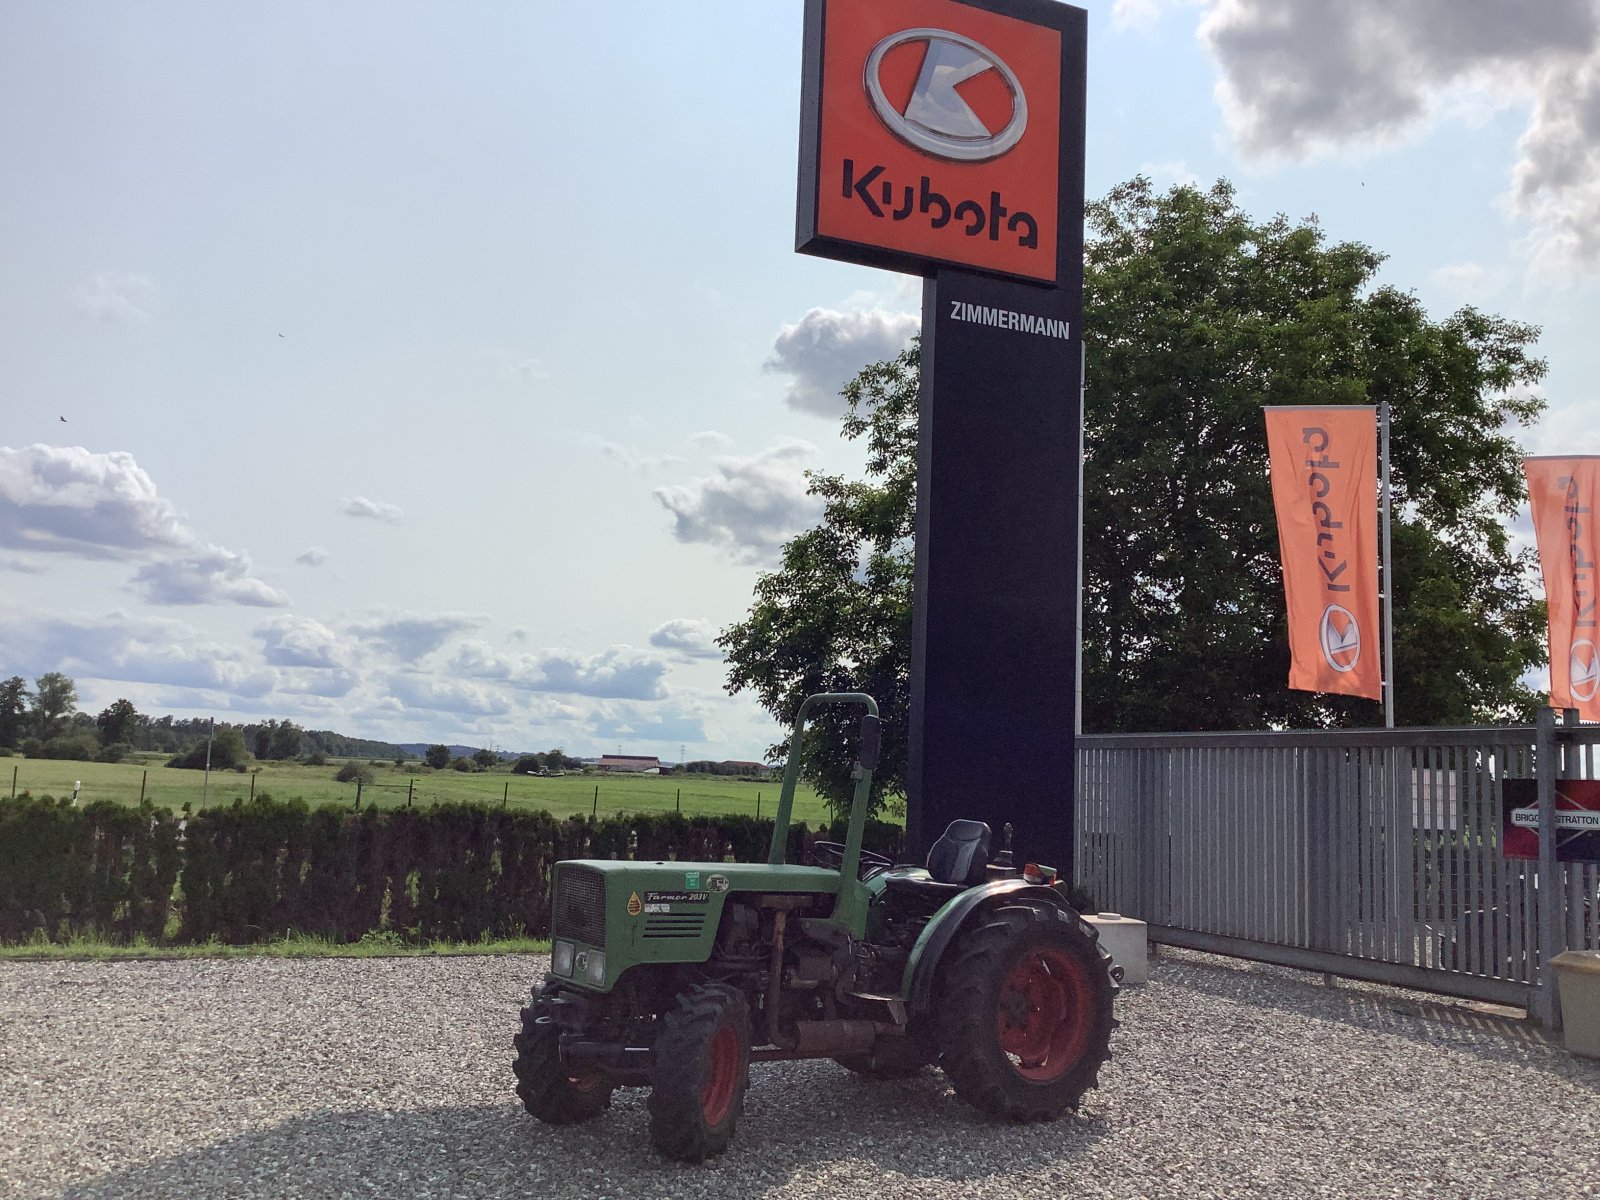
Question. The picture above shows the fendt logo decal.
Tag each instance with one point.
(1340, 636)
(1585, 670)
(937, 119)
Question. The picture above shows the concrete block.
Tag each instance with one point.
(1127, 941)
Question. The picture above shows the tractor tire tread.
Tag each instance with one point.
(682, 1057)
(542, 1083)
(966, 1015)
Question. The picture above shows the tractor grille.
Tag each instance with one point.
(674, 925)
(580, 905)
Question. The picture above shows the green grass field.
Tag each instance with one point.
(560, 795)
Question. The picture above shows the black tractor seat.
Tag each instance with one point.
(957, 861)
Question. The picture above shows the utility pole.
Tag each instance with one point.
(205, 791)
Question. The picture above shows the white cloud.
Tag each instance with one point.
(211, 576)
(1134, 14)
(312, 556)
(1467, 282)
(150, 650)
(687, 636)
(21, 566)
(411, 636)
(710, 439)
(1302, 76)
(115, 296)
(618, 673)
(377, 510)
(447, 695)
(75, 501)
(527, 370)
(750, 507)
(827, 349)
(634, 460)
(301, 642)
(1169, 174)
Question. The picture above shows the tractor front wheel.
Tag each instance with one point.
(547, 1091)
(1024, 1019)
(702, 1066)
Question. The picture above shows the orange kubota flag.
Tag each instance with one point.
(1563, 492)
(1325, 490)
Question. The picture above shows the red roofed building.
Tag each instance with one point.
(631, 764)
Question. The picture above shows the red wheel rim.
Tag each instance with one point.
(1043, 1013)
(716, 1098)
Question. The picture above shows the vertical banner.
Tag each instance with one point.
(1562, 492)
(1325, 491)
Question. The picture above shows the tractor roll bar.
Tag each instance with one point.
(863, 776)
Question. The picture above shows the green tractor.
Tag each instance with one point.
(676, 976)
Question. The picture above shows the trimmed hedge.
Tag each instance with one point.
(258, 870)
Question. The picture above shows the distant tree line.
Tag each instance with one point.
(707, 767)
(43, 721)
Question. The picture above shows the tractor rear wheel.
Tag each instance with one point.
(1024, 1020)
(702, 1066)
(547, 1091)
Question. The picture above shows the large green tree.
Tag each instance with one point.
(1196, 316)
(13, 710)
(118, 722)
(55, 698)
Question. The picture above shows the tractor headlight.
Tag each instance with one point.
(561, 958)
(594, 971)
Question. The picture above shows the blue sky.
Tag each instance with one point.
(444, 372)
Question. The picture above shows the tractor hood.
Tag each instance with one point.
(653, 912)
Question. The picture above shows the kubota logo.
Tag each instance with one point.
(936, 119)
(1340, 636)
(1584, 665)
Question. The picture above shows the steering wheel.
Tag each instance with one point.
(831, 854)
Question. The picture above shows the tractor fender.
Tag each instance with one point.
(923, 964)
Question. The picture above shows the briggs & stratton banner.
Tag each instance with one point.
(1577, 819)
(1562, 492)
(1325, 491)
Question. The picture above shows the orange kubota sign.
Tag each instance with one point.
(936, 135)
(1563, 494)
(1324, 487)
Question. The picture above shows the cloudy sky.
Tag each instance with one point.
(444, 372)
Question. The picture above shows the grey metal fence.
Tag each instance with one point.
(1369, 853)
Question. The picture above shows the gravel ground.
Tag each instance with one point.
(257, 1078)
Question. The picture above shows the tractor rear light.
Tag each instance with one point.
(561, 958)
(594, 971)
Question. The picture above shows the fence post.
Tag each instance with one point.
(680, 793)
(505, 796)
(252, 786)
(411, 786)
(14, 782)
(595, 811)
(143, 779)
(1319, 850)
(758, 806)
(1552, 928)
(358, 795)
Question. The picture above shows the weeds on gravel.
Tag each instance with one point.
(91, 947)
